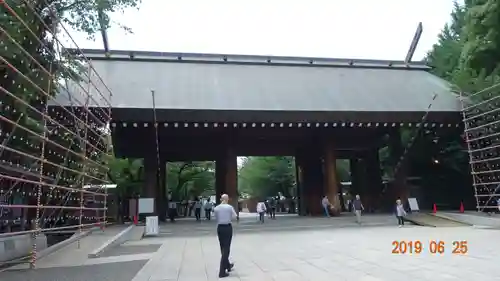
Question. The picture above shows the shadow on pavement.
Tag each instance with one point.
(119, 271)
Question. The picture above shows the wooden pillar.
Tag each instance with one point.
(232, 179)
(355, 177)
(312, 174)
(374, 175)
(330, 176)
(220, 173)
(362, 181)
(226, 177)
(300, 185)
(151, 180)
(162, 191)
(399, 188)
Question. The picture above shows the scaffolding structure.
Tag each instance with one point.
(55, 138)
(481, 112)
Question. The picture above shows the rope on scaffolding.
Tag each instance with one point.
(46, 163)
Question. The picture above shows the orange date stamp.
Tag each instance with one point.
(415, 247)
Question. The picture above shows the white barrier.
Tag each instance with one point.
(152, 228)
(19, 246)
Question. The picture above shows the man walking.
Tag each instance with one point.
(273, 202)
(197, 209)
(224, 214)
(208, 209)
(358, 207)
(261, 210)
(326, 205)
(172, 208)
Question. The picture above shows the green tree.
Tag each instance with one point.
(479, 61)
(184, 179)
(267, 176)
(90, 16)
(445, 54)
(482, 36)
(343, 170)
(127, 174)
(466, 53)
(189, 179)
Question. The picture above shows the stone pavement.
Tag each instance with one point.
(342, 251)
(317, 249)
(249, 223)
(72, 263)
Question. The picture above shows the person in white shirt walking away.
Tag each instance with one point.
(400, 213)
(224, 214)
(197, 209)
(208, 209)
(172, 208)
(261, 210)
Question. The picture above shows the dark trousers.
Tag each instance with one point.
(401, 221)
(197, 213)
(273, 213)
(225, 235)
(208, 213)
(261, 216)
(171, 214)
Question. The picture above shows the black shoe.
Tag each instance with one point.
(222, 275)
(231, 265)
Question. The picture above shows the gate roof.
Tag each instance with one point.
(262, 83)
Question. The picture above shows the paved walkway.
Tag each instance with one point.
(316, 249)
(72, 263)
(342, 251)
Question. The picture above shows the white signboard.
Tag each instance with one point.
(151, 226)
(413, 204)
(146, 205)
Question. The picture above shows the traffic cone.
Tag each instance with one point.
(434, 208)
(461, 207)
(135, 220)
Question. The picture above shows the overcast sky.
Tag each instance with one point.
(381, 29)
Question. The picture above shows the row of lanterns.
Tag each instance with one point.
(50, 219)
(63, 135)
(286, 125)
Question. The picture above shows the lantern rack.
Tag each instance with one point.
(53, 157)
(481, 117)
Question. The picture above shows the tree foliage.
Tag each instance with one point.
(190, 179)
(481, 36)
(89, 15)
(446, 53)
(343, 170)
(127, 174)
(267, 176)
(185, 180)
(467, 52)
